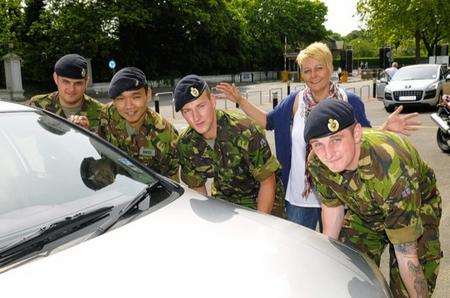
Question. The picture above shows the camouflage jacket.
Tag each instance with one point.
(393, 190)
(241, 158)
(91, 108)
(154, 144)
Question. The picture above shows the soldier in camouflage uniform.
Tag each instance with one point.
(390, 193)
(225, 146)
(70, 101)
(128, 123)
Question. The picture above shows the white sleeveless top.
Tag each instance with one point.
(296, 184)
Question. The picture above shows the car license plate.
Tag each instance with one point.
(406, 98)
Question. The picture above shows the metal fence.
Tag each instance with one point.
(263, 97)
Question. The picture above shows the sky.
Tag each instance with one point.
(342, 16)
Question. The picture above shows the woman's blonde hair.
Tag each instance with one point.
(318, 51)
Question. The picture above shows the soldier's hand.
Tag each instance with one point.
(229, 91)
(80, 120)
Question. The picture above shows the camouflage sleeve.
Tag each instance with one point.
(39, 101)
(190, 171)
(172, 155)
(262, 163)
(104, 119)
(320, 184)
(93, 113)
(403, 223)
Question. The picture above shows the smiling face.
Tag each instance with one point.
(316, 74)
(132, 105)
(70, 91)
(340, 151)
(200, 115)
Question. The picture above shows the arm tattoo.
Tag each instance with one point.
(420, 284)
(406, 248)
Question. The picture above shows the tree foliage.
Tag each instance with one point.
(166, 38)
(10, 22)
(395, 21)
(267, 23)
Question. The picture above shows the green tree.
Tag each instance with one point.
(267, 23)
(362, 43)
(63, 27)
(398, 20)
(175, 37)
(10, 21)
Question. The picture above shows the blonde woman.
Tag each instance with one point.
(288, 121)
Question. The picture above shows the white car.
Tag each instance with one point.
(78, 218)
(416, 84)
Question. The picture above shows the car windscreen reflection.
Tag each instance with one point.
(56, 171)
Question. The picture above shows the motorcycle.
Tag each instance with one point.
(442, 119)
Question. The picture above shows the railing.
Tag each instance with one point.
(253, 92)
(274, 96)
(156, 100)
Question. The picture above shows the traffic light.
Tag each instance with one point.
(385, 57)
(442, 50)
(343, 59)
(346, 60)
(349, 61)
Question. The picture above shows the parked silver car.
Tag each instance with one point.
(416, 84)
(80, 218)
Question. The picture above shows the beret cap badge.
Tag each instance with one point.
(194, 92)
(83, 72)
(333, 125)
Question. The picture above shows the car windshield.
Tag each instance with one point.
(416, 73)
(52, 171)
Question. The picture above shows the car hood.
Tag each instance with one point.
(199, 247)
(410, 85)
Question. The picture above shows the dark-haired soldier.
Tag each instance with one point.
(70, 101)
(131, 125)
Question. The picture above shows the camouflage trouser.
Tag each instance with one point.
(355, 233)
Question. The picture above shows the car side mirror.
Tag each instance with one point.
(383, 80)
(447, 78)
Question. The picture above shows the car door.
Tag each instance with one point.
(381, 84)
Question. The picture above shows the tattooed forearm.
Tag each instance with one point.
(406, 248)
(420, 284)
(411, 270)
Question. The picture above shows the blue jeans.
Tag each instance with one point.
(305, 216)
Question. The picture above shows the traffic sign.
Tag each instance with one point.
(112, 64)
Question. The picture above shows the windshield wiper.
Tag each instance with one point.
(51, 233)
(145, 194)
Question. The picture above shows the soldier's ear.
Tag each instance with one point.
(55, 78)
(212, 98)
(148, 93)
(357, 133)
